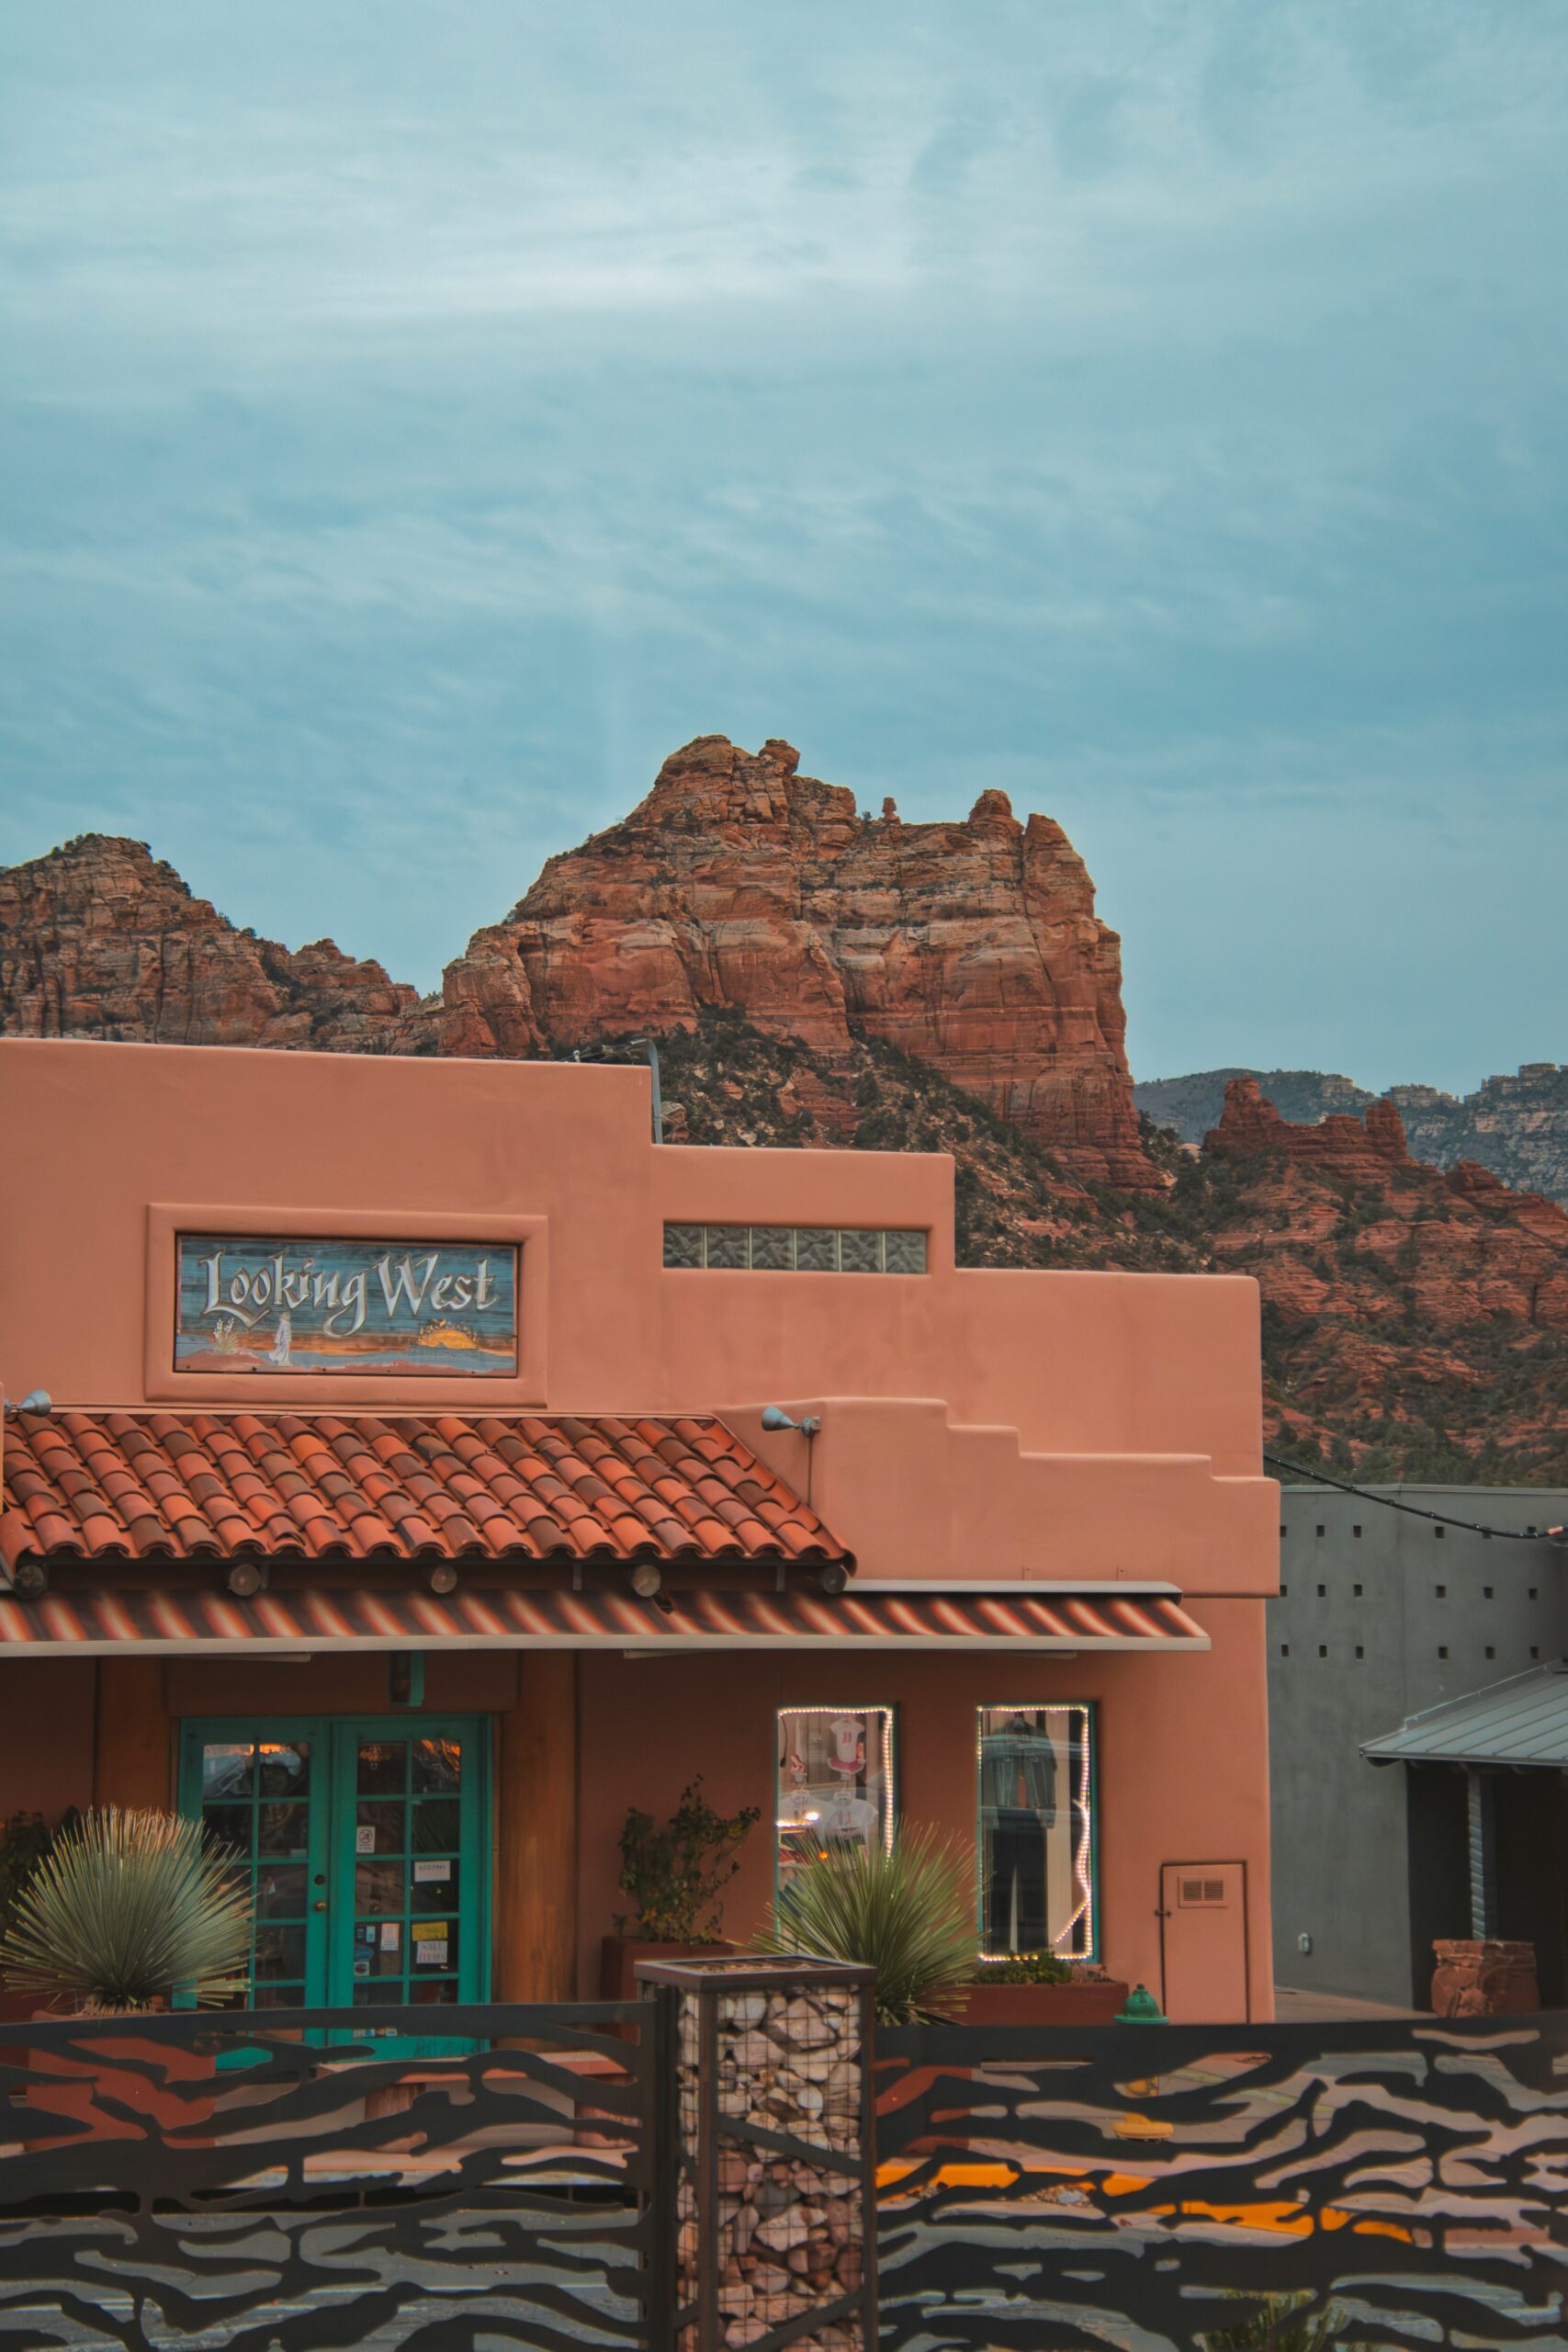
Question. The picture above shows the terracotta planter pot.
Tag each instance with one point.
(1095, 2003)
(618, 1956)
(1484, 1977)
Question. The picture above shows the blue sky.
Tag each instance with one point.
(417, 421)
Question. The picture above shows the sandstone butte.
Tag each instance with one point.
(738, 883)
(1343, 1228)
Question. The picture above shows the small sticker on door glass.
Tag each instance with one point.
(365, 1839)
(391, 1935)
(425, 1873)
(428, 1954)
(362, 1968)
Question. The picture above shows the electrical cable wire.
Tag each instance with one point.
(1370, 1493)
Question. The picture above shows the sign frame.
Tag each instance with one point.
(164, 1380)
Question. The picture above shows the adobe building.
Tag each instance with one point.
(438, 1466)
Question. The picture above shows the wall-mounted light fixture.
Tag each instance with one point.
(645, 1579)
(245, 1576)
(30, 1581)
(442, 1577)
(776, 1417)
(37, 1400)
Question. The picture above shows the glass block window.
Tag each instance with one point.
(798, 1248)
(1036, 1827)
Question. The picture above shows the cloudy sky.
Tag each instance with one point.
(417, 419)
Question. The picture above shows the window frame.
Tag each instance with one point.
(1089, 1710)
(888, 1710)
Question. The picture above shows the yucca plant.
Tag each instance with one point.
(1285, 2324)
(126, 1909)
(909, 1913)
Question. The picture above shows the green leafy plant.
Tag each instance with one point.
(675, 1875)
(909, 1913)
(126, 1909)
(1024, 1968)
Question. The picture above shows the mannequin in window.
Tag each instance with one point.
(1018, 1799)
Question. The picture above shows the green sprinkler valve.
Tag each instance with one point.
(1142, 2009)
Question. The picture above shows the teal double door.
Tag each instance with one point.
(365, 1843)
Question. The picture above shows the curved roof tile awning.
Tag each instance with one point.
(862, 1618)
(191, 1485)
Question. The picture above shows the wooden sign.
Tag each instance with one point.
(247, 1303)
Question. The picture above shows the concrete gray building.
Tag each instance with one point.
(1380, 1616)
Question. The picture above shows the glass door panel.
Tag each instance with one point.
(407, 1900)
(363, 1842)
(256, 1797)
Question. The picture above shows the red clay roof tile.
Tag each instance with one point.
(156, 1484)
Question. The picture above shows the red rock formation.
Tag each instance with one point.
(1251, 1123)
(737, 882)
(99, 939)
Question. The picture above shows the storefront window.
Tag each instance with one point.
(1037, 1831)
(835, 1782)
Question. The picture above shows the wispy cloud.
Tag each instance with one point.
(421, 422)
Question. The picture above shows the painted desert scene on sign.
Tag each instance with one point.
(249, 1304)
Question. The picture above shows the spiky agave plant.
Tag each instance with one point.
(126, 1909)
(909, 1913)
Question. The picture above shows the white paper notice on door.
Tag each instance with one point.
(391, 1935)
(365, 1840)
(429, 1873)
(428, 1954)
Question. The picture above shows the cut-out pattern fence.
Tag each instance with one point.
(1183, 2189)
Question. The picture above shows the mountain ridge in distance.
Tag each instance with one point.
(1517, 1125)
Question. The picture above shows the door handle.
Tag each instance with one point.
(321, 1902)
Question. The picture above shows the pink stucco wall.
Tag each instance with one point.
(990, 1425)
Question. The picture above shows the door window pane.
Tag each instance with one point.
(280, 1953)
(226, 1769)
(282, 1828)
(1036, 1830)
(283, 1768)
(383, 1767)
(280, 1890)
(432, 1988)
(379, 1886)
(228, 1826)
(835, 1782)
(437, 1825)
(435, 1945)
(436, 1885)
(437, 1764)
(378, 1828)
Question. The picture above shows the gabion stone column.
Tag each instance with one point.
(773, 2212)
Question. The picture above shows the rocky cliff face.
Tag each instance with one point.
(100, 939)
(824, 978)
(1516, 1127)
(738, 883)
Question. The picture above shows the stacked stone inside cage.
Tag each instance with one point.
(780, 2166)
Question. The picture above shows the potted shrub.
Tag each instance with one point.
(909, 1913)
(674, 1876)
(125, 1912)
(1035, 1988)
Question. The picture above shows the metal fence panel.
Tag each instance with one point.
(1186, 2188)
(255, 2182)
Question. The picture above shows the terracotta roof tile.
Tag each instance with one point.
(155, 1484)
